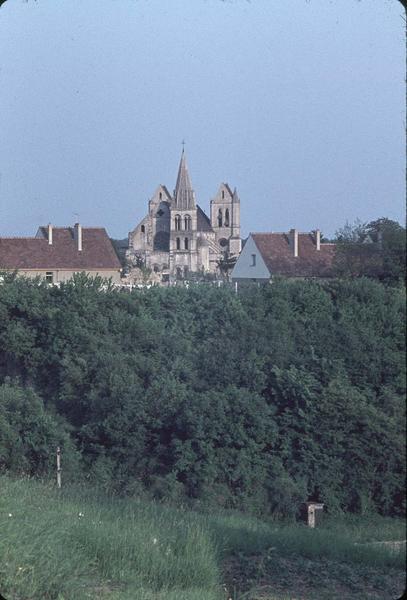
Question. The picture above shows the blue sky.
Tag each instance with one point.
(299, 104)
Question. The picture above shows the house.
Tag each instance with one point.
(291, 254)
(56, 253)
(176, 237)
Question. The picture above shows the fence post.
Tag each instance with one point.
(59, 467)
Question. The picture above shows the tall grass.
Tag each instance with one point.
(79, 544)
(63, 546)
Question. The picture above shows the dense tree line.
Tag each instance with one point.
(376, 250)
(256, 401)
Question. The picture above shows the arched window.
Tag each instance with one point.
(186, 243)
(223, 194)
(220, 219)
(227, 217)
(178, 242)
(160, 196)
(187, 221)
(177, 223)
(143, 229)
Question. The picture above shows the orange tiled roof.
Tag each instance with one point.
(35, 252)
(279, 257)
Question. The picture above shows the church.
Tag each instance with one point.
(176, 237)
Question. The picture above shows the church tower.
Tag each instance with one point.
(225, 219)
(183, 227)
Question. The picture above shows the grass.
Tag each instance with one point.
(77, 544)
(67, 546)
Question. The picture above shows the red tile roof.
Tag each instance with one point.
(279, 257)
(35, 252)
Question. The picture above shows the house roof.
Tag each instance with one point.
(278, 255)
(35, 252)
(203, 222)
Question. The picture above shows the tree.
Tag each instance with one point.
(391, 238)
(376, 249)
(225, 264)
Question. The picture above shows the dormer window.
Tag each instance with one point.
(253, 260)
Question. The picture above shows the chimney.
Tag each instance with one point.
(49, 234)
(293, 237)
(318, 238)
(78, 236)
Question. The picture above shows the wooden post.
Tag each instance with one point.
(59, 467)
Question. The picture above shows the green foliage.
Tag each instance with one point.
(255, 401)
(29, 435)
(376, 249)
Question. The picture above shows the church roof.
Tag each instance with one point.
(278, 255)
(32, 253)
(184, 196)
(202, 220)
(228, 188)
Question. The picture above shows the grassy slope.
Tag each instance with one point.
(76, 545)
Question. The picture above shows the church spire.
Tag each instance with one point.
(184, 195)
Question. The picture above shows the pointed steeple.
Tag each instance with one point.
(184, 195)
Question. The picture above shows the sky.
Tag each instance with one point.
(299, 104)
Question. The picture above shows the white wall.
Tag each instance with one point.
(244, 268)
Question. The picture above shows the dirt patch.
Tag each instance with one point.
(272, 577)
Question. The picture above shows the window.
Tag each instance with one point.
(156, 268)
(223, 194)
(49, 277)
(143, 229)
(160, 213)
(187, 221)
(177, 223)
(178, 242)
(186, 243)
(253, 260)
(220, 218)
(161, 196)
(227, 217)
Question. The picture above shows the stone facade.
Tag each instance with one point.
(177, 238)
